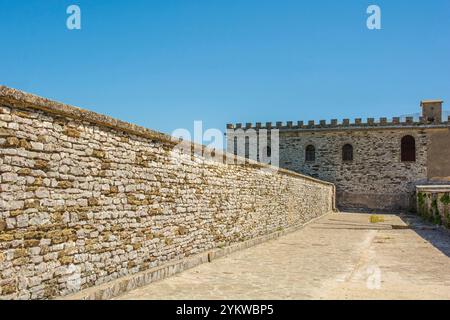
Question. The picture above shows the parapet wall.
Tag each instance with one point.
(86, 199)
(395, 122)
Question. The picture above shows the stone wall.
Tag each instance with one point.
(433, 203)
(376, 179)
(86, 199)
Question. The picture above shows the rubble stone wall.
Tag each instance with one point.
(376, 178)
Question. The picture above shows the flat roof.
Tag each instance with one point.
(431, 101)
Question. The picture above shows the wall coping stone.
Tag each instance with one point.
(433, 188)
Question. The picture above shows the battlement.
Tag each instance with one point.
(345, 123)
(431, 116)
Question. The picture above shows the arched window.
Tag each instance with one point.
(408, 148)
(347, 152)
(310, 153)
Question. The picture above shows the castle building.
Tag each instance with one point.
(375, 165)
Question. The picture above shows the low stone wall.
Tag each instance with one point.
(86, 199)
(433, 203)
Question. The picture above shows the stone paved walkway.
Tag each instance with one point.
(341, 256)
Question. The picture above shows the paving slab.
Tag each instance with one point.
(341, 256)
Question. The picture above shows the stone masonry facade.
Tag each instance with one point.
(375, 177)
(85, 199)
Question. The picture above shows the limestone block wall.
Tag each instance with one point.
(433, 203)
(85, 199)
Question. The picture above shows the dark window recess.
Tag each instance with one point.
(310, 154)
(347, 152)
(268, 151)
(408, 148)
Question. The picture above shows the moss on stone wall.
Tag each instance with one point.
(435, 216)
(434, 207)
(421, 203)
(445, 199)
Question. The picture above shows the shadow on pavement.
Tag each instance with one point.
(437, 236)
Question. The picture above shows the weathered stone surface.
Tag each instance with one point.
(71, 132)
(65, 184)
(24, 144)
(99, 154)
(112, 199)
(41, 164)
(6, 237)
(11, 142)
(2, 225)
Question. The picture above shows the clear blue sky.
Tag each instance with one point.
(163, 64)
